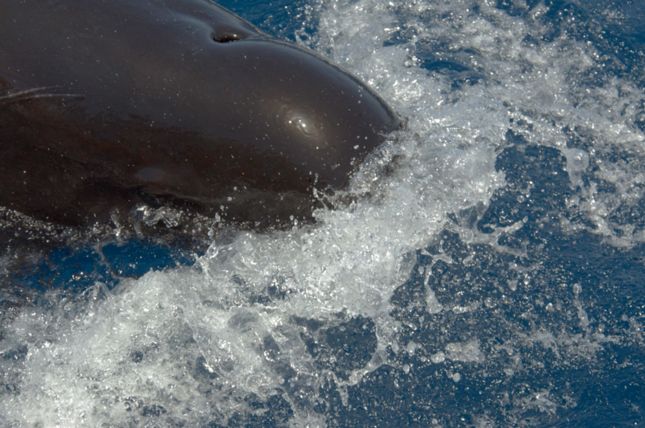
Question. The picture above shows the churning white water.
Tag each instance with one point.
(194, 343)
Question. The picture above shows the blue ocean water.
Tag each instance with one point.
(495, 279)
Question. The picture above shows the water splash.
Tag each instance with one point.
(261, 320)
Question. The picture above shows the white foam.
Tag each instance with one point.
(194, 340)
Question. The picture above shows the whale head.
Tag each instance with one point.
(173, 100)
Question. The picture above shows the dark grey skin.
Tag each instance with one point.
(108, 104)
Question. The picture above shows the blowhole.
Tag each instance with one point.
(226, 37)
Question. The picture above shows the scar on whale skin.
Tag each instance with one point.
(108, 105)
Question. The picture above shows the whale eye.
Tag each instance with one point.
(226, 37)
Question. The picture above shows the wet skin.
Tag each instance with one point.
(105, 105)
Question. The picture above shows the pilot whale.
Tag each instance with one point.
(107, 105)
